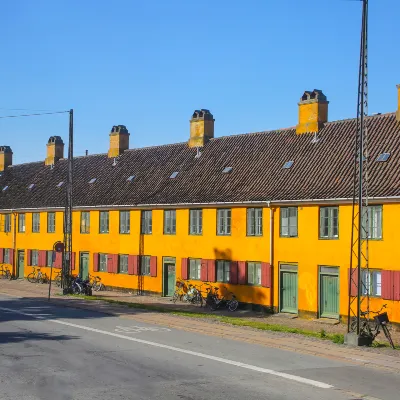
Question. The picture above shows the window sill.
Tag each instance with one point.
(146, 233)
(195, 234)
(85, 233)
(169, 234)
(224, 234)
(103, 233)
(328, 238)
(288, 237)
(124, 233)
(250, 236)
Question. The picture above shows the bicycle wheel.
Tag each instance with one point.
(31, 278)
(233, 305)
(3, 274)
(9, 275)
(57, 281)
(388, 336)
(175, 297)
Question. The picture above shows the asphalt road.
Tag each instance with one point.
(58, 353)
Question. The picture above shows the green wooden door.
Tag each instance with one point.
(288, 291)
(20, 263)
(329, 295)
(84, 265)
(169, 276)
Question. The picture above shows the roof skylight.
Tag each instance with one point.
(383, 157)
(31, 186)
(60, 184)
(174, 174)
(227, 170)
(288, 164)
(93, 180)
(131, 178)
(5, 188)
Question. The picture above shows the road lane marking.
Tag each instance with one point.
(137, 329)
(284, 375)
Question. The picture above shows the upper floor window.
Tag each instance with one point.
(34, 258)
(329, 222)
(145, 265)
(196, 222)
(371, 282)
(374, 225)
(224, 221)
(223, 271)
(102, 262)
(51, 222)
(288, 222)
(194, 268)
(169, 222)
(85, 222)
(146, 222)
(254, 273)
(21, 223)
(104, 222)
(7, 222)
(35, 222)
(123, 264)
(124, 221)
(254, 221)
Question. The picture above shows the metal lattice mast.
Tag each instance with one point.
(359, 291)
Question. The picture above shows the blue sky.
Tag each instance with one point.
(148, 64)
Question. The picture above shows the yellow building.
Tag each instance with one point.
(265, 215)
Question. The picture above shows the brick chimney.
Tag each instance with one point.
(119, 140)
(55, 150)
(5, 157)
(398, 103)
(201, 128)
(313, 112)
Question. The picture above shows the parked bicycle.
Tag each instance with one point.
(95, 283)
(179, 290)
(5, 272)
(57, 279)
(37, 276)
(370, 328)
(228, 300)
(80, 286)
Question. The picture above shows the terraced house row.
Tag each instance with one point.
(266, 215)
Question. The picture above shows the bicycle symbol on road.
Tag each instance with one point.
(139, 329)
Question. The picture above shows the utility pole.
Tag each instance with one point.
(359, 265)
(67, 259)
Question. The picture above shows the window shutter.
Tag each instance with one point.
(72, 261)
(353, 282)
(110, 263)
(29, 254)
(1, 256)
(184, 268)
(387, 285)
(115, 259)
(242, 273)
(12, 257)
(95, 262)
(266, 274)
(233, 273)
(58, 261)
(153, 266)
(396, 285)
(204, 271)
(42, 258)
(132, 265)
(211, 270)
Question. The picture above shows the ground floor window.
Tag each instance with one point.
(123, 264)
(194, 268)
(223, 271)
(372, 282)
(254, 273)
(102, 262)
(145, 265)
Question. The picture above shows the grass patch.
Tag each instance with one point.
(335, 338)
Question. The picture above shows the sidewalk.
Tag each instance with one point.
(388, 359)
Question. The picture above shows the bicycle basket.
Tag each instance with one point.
(382, 319)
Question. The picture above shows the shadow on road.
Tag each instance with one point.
(17, 337)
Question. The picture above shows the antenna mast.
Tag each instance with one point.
(359, 265)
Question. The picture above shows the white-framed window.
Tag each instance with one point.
(196, 222)
(145, 265)
(169, 222)
(104, 222)
(35, 258)
(7, 222)
(49, 258)
(35, 222)
(223, 270)
(7, 256)
(194, 268)
(102, 262)
(371, 282)
(288, 225)
(124, 222)
(254, 273)
(85, 222)
(329, 222)
(374, 225)
(147, 222)
(224, 216)
(123, 264)
(51, 222)
(254, 222)
(21, 223)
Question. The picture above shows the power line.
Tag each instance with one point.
(31, 115)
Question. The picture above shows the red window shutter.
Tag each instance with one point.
(29, 257)
(42, 258)
(353, 282)
(204, 271)
(110, 263)
(184, 268)
(95, 262)
(115, 262)
(396, 285)
(73, 261)
(136, 265)
(211, 270)
(233, 273)
(12, 257)
(58, 260)
(131, 264)
(266, 274)
(387, 285)
(153, 266)
(242, 273)
(1, 256)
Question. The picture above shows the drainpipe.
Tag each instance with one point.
(14, 246)
(271, 252)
